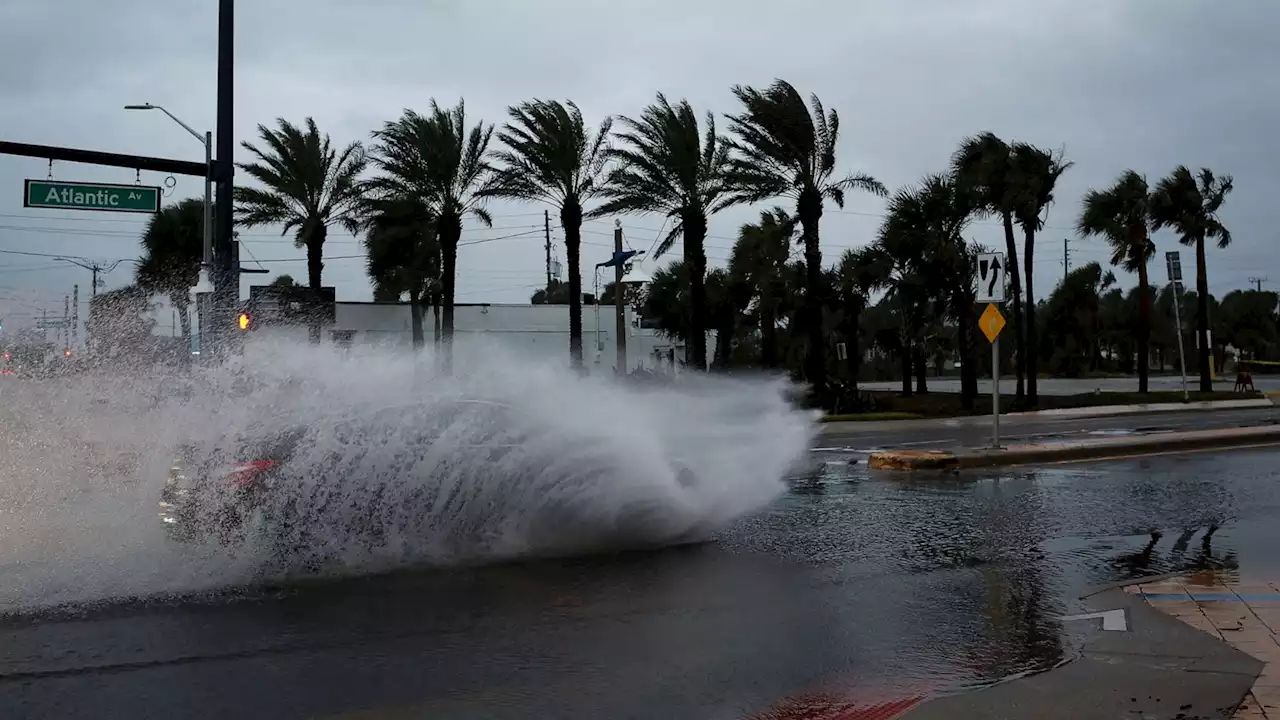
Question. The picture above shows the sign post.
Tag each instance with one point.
(54, 195)
(990, 290)
(1173, 264)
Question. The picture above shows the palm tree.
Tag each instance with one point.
(856, 277)
(930, 263)
(668, 165)
(984, 163)
(551, 157)
(172, 247)
(1189, 204)
(1121, 215)
(759, 261)
(307, 186)
(435, 160)
(403, 255)
(1036, 172)
(784, 150)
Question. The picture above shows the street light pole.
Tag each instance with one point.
(202, 288)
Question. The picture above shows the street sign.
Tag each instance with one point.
(50, 323)
(991, 322)
(91, 196)
(991, 271)
(1174, 263)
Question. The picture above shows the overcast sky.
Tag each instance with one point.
(1142, 84)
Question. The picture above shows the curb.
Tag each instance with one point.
(1082, 450)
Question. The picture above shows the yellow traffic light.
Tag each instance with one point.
(244, 321)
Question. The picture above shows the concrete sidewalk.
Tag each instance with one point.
(1091, 449)
(1272, 400)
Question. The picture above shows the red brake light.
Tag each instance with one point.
(247, 473)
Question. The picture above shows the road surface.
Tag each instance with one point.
(868, 586)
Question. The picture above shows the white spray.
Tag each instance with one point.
(503, 458)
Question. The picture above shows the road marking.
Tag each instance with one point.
(1113, 620)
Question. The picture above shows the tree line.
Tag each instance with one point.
(410, 187)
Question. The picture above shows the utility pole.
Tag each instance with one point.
(1257, 281)
(619, 307)
(75, 314)
(226, 276)
(66, 321)
(1066, 259)
(546, 228)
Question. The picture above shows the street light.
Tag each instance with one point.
(203, 285)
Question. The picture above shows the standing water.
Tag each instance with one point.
(398, 464)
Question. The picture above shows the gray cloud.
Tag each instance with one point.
(1146, 84)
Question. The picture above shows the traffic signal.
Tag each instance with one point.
(244, 321)
(66, 353)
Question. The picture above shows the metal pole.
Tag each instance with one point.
(619, 309)
(995, 392)
(226, 281)
(75, 315)
(546, 228)
(1182, 356)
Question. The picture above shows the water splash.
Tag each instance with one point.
(398, 464)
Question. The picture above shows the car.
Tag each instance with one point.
(210, 497)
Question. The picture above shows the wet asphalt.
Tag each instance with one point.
(870, 586)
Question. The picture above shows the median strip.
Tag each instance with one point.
(1092, 449)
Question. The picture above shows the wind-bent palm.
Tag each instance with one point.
(403, 255)
(1189, 204)
(307, 186)
(435, 160)
(759, 261)
(782, 150)
(549, 156)
(172, 247)
(1121, 215)
(669, 166)
(984, 164)
(1036, 172)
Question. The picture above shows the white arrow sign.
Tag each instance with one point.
(1114, 620)
(990, 279)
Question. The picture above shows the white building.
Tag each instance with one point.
(540, 331)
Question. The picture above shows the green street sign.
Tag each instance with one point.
(91, 196)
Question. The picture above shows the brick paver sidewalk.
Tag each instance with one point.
(1244, 613)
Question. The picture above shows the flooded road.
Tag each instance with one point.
(872, 586)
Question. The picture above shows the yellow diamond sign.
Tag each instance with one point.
(991, 322)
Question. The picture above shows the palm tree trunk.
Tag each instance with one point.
(768, 334)
(1015, 288)
(415, 319)
(1202, 316)
(695, 260)
(571, 221)
(315, 267)
(922, 369)
(905, 359)
(968, 358)
(450, 233)
(1032, 339)
(809, 209)
(852, 351)
(1144, 325)
(435, 311)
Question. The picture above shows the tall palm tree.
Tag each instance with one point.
(403, 255)
(785, 150)
(922, 235)
(759, 261)
(1121, 215)
(667, 165)
(307, 186)
(984, 163)
(1036, 172)
(550, 156)
(172, 247)
(436, 160)
(1189, 204)
(856, 277)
